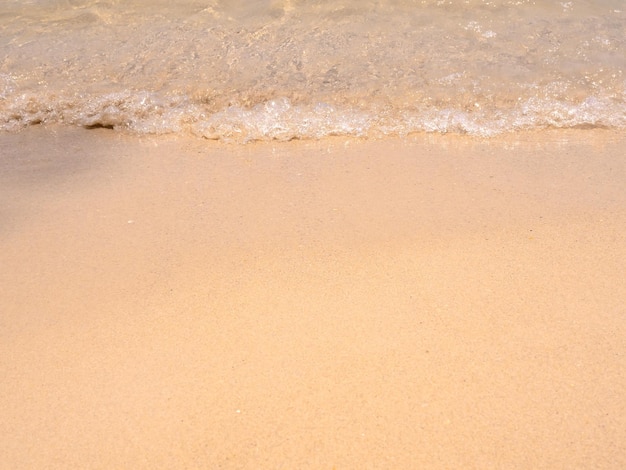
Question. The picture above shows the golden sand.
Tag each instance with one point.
(432, 302)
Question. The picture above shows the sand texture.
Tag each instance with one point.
(427, 303)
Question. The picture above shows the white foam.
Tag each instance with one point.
(279, 119)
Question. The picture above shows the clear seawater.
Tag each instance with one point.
(244, 70)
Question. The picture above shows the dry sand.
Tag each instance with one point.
(432, 302)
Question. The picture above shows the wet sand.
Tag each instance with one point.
(432, 302)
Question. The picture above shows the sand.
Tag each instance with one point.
(427, 302)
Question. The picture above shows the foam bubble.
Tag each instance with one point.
(280, 119)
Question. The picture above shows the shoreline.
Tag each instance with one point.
(428, 302)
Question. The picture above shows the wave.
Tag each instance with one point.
(297, 69)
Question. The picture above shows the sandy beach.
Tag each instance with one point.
(432, 302)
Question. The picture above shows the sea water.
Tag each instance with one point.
(244, 70)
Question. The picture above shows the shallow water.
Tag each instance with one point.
(249, 70)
